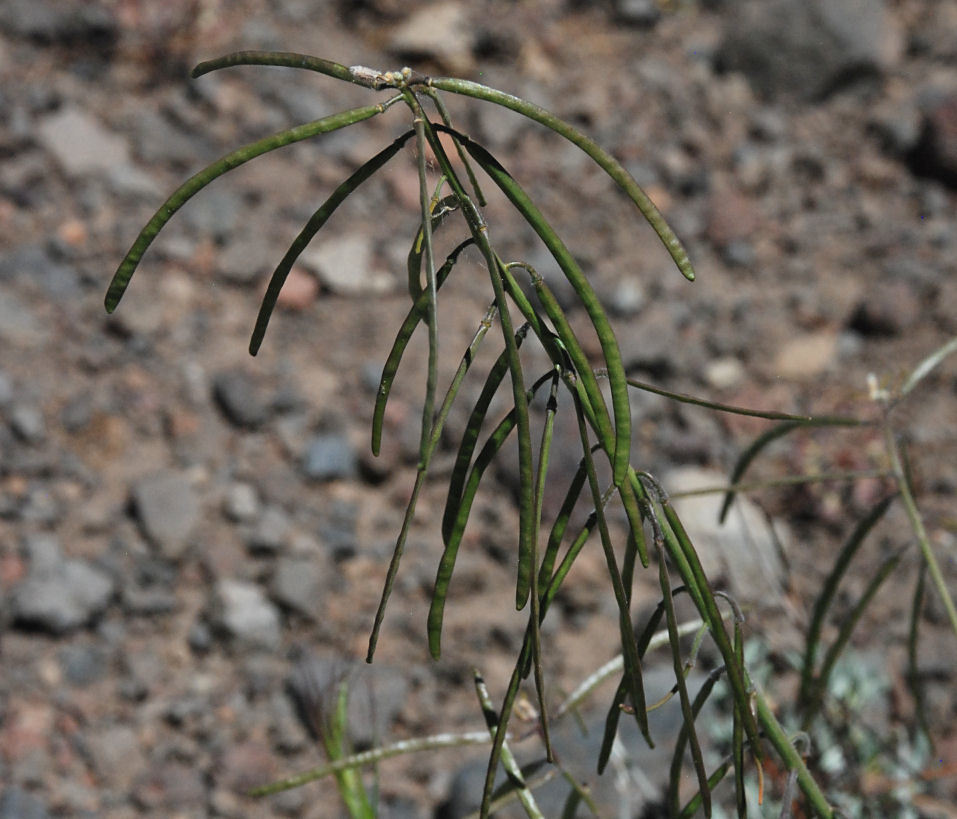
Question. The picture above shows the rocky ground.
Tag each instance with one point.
(187, 535)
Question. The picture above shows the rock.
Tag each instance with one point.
(245, 765)
(272, 533)
(19, 324)
(808, 48)
(724, 372)
(344, 265)
(6, 390)
(638, 12)
(217, 214)
(80, 144)
(329, 456)
(83, 665)
(886, 311)
(27, 424)
(116, 755)
(935, 155)
(156, 140)
(58, 594)
(297, 584)
(37, 264)
(743, 549)
(243, 613)
(337, 529)
(299, 291)
(16, 803)
(246, 259)
(437, 31)
(806, 356)
(167, 509)
(241, 503)
(732, 218)
(240, 399)
(47, 21)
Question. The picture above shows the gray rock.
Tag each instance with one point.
(808, 48)
(328, 457)
(246, 259)
(157, 140)
(80, 144)
(296, 585)
(743, 549)
(48, 21)
(83, 665)
(243, 613)
(272, 533)
(61, 597)
(217, 213)
(36, 264)
(6, 390)
(638, 12)
(26, 421)
(16, 803)
(440, 31)
(167, 509)
(241, 503)
(344, 265)
(240, 399)
(19, 324)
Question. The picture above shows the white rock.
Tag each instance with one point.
(743, 549)
(344, 265)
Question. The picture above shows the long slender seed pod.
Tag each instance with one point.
(311, 228)
(828, 592)
(200, 180)
(605, 161)
(439, 208)
(759, 443)
(487, 454)
(424, 462)
(415, 315)
(606, 337)
(463, 458)
(285, 59)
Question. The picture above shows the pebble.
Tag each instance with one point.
(743, 549)
(80, 144)
(272, 533)
(297, 584)
(935, 155)
(83, 665)
(240, 398)
(439, 31)
(638, 12)
(241, 503)
(725, 372)
(806, 356)
(886, 311)
(60, 594)
(27, 423)
(243, 613)
(328, 457)
(17, 803)
(167, 509)
(345, 266)
(806, 48)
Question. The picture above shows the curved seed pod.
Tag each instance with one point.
(200, 180)
(286, 59)
(759, 443)
(312, 227)
(829, 590)
(606, 337)
(602, 158)
(463, 458)
(447, 563)
(416, 313)
(561, 524)
(433, 441)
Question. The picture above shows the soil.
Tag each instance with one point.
(190, 536)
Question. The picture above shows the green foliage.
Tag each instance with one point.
(604, 434)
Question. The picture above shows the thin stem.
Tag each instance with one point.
(917, 525)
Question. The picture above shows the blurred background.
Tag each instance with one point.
(192, 541)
